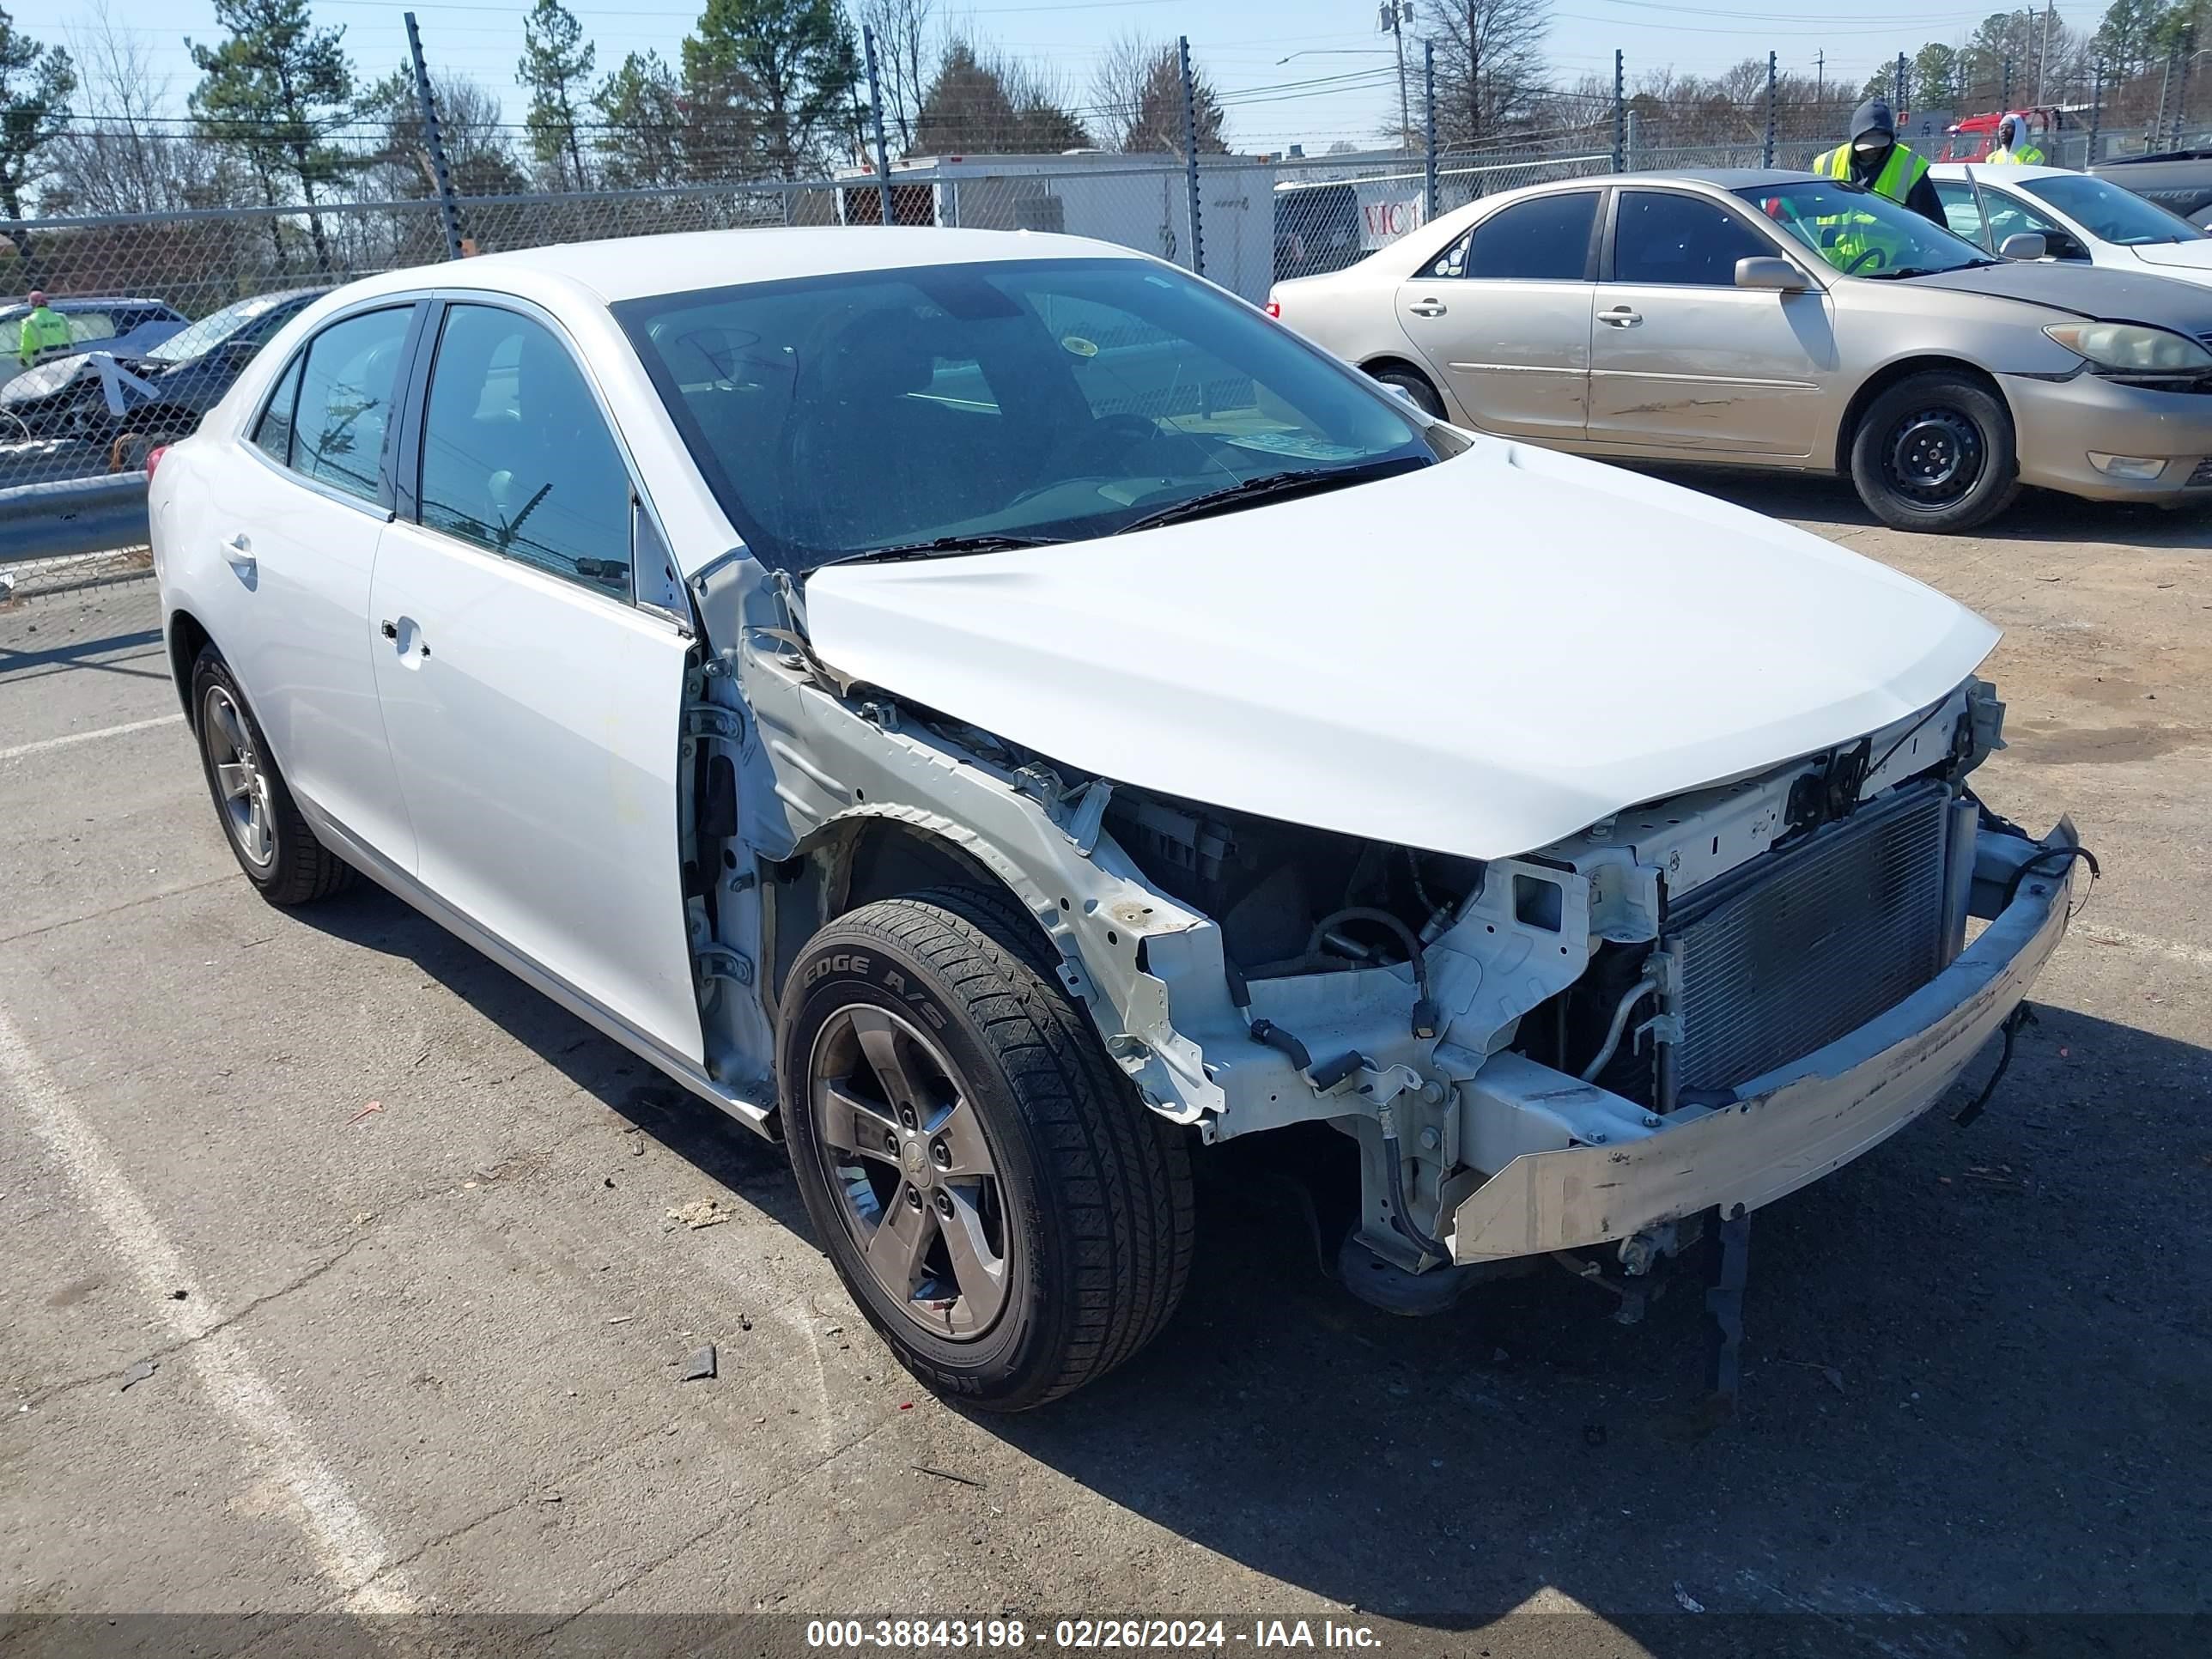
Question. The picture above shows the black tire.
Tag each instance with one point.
(1414, 384)
(1936, 453)
(298, 869)
(1094, 1191)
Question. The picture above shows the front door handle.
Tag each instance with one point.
(1621, 317)
(413, 645)
(1428, 308)
(239, 553)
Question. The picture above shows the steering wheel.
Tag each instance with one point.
(1085, 450)
(1852, 269)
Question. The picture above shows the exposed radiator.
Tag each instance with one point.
(1805, 944)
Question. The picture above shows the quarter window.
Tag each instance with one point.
(1546, 240)
(344, 406)
(1666, 239)
(273, 436)
(516, 456)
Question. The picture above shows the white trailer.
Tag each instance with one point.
(1139, 202)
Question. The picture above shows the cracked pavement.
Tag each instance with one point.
(1978, 1380)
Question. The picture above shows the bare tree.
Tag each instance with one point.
(122, 153)
(1490, 67)
(906, 59)
(1136, 94)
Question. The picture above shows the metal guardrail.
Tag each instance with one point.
(72, 516)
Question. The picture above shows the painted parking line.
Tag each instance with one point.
(67, 738)
(349, 1549)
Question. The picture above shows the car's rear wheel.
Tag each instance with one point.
(268, 835)
(1415, 386)
(1006, 1213)
(1936, 453)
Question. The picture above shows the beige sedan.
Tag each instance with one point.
(1772, 318)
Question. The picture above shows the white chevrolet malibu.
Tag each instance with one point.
(1004, 716)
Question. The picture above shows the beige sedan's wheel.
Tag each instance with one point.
(1000, 1206)
(1935, 452)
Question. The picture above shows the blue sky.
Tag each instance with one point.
(1239, 42)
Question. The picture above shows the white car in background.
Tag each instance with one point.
(2082, 218)
(1001, 715)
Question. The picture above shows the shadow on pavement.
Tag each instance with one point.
(2037, 516)
(1976, 1382)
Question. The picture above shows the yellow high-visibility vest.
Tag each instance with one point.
(2026, 156)
(1903, 170)
(45, 330)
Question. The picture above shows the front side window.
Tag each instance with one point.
(1661, 237)
(516, 455)
(926, 409)
(2011, 216)
(349, 372)
(1962, 209)
(1546, 240)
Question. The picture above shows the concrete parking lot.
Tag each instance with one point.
(393, 1233)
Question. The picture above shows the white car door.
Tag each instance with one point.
(297, 506)
(534, 711)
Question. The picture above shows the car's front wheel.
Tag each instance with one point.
(1936, 453)
(270, 839)
(1006, 1213)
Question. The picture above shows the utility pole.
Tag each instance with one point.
(882, 153)
(2042, 56)
(1395, 14)
(1820, 76)
(1473, 79)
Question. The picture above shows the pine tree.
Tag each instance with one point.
(641, 126)
(276, 91)
(35, 84)
(779, 72)
(556, 64)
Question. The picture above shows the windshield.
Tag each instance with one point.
(2111, 214)
(1055, 399)
(213, 329)
(1860, 233)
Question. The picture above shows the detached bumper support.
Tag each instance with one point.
(1724, 1308)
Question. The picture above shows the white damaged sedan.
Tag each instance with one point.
(1004, 716)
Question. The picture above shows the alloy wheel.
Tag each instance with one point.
(241, 783)
(916, 1184)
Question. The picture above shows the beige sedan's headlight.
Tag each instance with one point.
(2133, 349)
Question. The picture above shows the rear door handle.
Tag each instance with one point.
(1620, 317)
(238, 552)
(1428, 308)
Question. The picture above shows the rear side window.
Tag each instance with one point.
(1544, 240)
(516, 456)
(1661, 237)
(273, 436)
(343, 408)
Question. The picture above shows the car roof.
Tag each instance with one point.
(1722, 178)
(1999, 173)
(640, 267)
(93, 302)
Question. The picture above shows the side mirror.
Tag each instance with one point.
(1768, 271)
(2026, 245)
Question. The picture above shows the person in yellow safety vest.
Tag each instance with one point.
(1874, 159)
(2013, 150)
(43, 330)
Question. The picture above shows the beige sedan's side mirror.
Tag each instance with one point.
(2025, 245)
(1769, 272)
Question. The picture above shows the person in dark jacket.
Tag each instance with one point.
(1874, 159)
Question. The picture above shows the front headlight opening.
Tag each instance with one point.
(2133, 349)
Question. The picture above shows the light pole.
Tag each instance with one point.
(1405, 109)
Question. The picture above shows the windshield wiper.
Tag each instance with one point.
(1270, 483)
(1923, 270)
(989, 541)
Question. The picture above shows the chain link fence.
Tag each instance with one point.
(165, 309)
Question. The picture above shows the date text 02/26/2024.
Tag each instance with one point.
(987, 1635)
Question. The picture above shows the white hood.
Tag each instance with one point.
(2191, 260)
(1476, 658)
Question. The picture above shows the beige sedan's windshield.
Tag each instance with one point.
(1860, 234)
